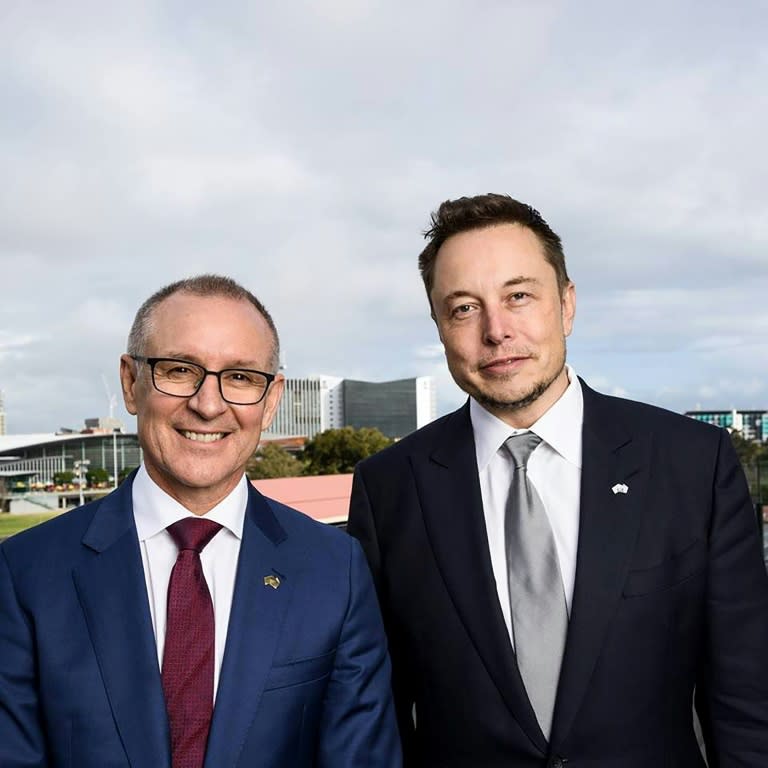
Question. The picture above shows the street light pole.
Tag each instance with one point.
(114, 457)
(80, 467)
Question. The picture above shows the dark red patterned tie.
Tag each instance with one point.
(189, 650)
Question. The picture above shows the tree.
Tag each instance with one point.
(748, 451)
(272, 461)
(96, 476)
(123, 473)
(753, 456)
(337, 451)
(63, 478)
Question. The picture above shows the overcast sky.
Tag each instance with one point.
(300, 147)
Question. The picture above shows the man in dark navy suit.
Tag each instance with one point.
(186, 620)
(560, 572)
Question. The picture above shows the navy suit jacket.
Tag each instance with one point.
(305, 679)
(671, 595)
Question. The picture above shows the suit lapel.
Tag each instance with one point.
(254, 629)
(608, 527)
(112, 591)
(449, 490)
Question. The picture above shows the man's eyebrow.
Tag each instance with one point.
(521, 280)
(240, 363)
(511, 283)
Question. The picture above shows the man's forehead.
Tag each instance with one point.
(180, 312)
(191, 306)
(507, 236)
(516, 257)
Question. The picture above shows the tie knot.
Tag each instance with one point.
(521, 447)
(193, 533)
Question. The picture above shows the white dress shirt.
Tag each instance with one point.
(554, 468)
(154, 510)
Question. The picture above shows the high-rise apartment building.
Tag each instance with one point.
(397, 408)
(317, 403)
(752, 425)
(308, 406)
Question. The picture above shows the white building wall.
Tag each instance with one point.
(316, 403)
(426, 401)
(332, 402)
(308, 406)
(299, 412)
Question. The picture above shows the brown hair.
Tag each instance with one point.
(201, 285)
(479, 212)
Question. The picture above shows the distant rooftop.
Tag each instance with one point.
(322, 497)
(19, 442)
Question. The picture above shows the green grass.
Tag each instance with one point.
(10, 524)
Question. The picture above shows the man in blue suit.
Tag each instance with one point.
(560, 572)
(123, 644)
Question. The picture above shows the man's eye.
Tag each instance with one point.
(243, 378)
(177, 372)
(239, 377)
(461, 309)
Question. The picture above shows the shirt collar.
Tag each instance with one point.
(559, 427)
(154, 510)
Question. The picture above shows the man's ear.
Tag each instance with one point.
(272, 400)
(568, 305)
(436, 322)
(128, 374)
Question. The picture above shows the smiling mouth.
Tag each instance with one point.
(503, 361)
(203, 437)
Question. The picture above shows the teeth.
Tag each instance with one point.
(203, 437)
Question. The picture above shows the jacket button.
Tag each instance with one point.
(557, 762)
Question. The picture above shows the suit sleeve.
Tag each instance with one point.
(733, 697)
(362, 526)
(358, 727)
(22, 742)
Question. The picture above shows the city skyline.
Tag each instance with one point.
(300, 150)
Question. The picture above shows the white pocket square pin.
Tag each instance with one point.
(620, 488)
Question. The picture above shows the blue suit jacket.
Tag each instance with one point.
(671, 594)
(305, 679)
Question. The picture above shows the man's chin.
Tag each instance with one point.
(496, 404)
(509, 402)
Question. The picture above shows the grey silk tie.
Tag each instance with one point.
(536, 596)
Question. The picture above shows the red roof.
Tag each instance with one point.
(322, 497)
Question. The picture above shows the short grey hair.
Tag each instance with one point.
(201, 285)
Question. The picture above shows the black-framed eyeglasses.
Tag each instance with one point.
(182, 378)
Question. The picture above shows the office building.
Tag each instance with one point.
(396, 408)
(308, 406)
(752, 425)
(36, 458)
(317, 403)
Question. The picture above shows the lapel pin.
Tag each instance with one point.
(620, 488)
(272, 581)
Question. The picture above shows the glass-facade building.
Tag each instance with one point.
(308, 406)
(396, 408)
(39, 457)
(312, 405)
(752, 425)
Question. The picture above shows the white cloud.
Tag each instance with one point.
(430, 352)
(11, 344)
(300, 148)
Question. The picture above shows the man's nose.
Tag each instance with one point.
(497, 325)
(207, 401)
